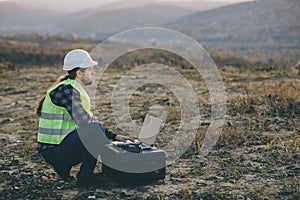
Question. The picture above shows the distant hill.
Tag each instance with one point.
(112, 21)
(72, 6)
(19, 18)
(259, 24)
(109, 19)
(195, 5)
(269, 25)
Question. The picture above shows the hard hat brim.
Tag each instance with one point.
(82, 65)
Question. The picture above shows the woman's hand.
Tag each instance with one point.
(123, 138)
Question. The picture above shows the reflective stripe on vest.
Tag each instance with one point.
(56, 116)
(55, 121)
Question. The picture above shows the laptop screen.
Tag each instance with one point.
(151, 127)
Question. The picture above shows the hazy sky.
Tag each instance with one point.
(74, 5)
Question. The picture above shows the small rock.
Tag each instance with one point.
(201, 183)
(44, 178)
(249, 177)
(7, 120)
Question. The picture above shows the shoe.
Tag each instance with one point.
(91, 181)
(64, 174)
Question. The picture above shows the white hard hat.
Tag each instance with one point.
(78, 58)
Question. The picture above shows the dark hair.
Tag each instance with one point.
(71, 75)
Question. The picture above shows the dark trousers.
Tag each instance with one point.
(69, 153)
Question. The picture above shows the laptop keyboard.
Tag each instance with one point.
(145, 146)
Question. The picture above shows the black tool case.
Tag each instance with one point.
(133, 168)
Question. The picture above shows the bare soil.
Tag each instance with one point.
(256, 157)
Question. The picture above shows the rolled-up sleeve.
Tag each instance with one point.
(110, 134)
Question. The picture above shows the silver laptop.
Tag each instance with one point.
(149, 131)
(147, 135)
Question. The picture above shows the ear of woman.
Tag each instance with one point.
(79, 73)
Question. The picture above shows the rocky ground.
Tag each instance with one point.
(256, 157)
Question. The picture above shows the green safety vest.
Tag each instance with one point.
(55, 121)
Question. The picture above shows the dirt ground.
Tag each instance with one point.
(256, 157)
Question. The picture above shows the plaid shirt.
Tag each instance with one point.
(68, 97)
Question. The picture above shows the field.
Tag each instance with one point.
(256, 156)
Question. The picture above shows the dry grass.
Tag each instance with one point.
(256, 156)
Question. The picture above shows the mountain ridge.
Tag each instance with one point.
(262, 24)
(20, 18)
(263, 21)
(53, 22)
